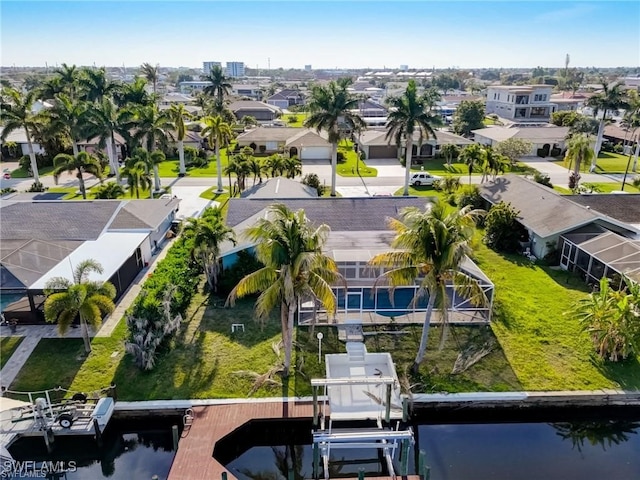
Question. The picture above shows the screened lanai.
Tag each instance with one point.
(595, 253)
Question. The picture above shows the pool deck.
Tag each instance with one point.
(194, 458)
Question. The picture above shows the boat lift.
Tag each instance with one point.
(360, 386)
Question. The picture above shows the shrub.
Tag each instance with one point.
(502, 230)
(618, 148)
(190, 153)
(37, 187)
(448, 184)
(6, 190)
(574, 179)
(469, 195)
(340, 157)
(312, 180)
(293, 119)
(541, 152)
(542, 179)
(245, 264)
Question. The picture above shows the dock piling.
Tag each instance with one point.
(96, 428)
(176, 436)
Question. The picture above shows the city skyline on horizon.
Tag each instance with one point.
(363, 35)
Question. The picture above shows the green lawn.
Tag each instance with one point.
(422, 191)
(546, 348)
(439, 167)
(607, 163)
(610, 187)
(301, 117)
(171, 167)
(351, 166)
(8, 345)
(21, 173)
(72, 193)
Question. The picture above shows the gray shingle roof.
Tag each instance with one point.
(251, 105)
(542, 134)
(143, 214)
(269, 134)
(57, 220)
(341, 214)
(625, 208)
(542, 210)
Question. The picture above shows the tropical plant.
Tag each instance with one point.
(208, 233)
(80, 297)
(579, 153)
(256, 168)
(449, 184)
(67, 77)
(108, 191)
(249, 121)
(430, 246)
(469, 195)
(294, 268)
(612, 319)
(151, 161)
(410, 114)
(450, 152)
(513, 148)
(312, 180)
(95, 86)
(136, 171)
(151, 75)
(611, 98)
(81, 163)
(67, 115)
(292, 167)
(493, 164)
(177, 115)
(218, 133)
(331, 108)
(16, 113)
(240, 166)
(220, 86)
(275, 164)
(503, 232)
(472, 156)
(153, 126)
(133, 94)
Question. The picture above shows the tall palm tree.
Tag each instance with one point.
(292, 167)
(67, 115)
(133, 94)
(493, 164)
(16, 113)
(430, 247)
(151, 74)
(332, 108)
(103, 120)
(472, 155)
(88, 299)
(579, 152)
(208, 233)
(177, 115)
(217, 132)
(95, 85)
(410, 114)
(154, 127)
(257, 168)
(81, 163)
(275, 164)
(220, 86)
(240, 166)
(151, 160)
(136, 171)
(68, 77)
(294, 267)
(611, 98)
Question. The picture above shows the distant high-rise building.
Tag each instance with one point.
(235, 69)
(207, 66)
(404, 68)
(307, 68)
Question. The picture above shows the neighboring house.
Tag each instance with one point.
(542, 137)
(528, 103)
(278, 188)
(251, 91)
(375, 144)
(286, 98)
(19, 137)
(359, 230)
(193, 86)
(304, 143)
(92, 145)
(121, 235)
(618, 134)
(547, 215)
(567, 103)
(259, 110)
(174, 98)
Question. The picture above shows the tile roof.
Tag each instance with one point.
(341, 214)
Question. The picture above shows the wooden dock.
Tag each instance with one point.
(194, 458)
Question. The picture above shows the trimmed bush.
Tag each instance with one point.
(503, 232)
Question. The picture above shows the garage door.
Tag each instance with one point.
(315, 153)
(383, 151)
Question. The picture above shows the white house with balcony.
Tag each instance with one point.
(521, 103)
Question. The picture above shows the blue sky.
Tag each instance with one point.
(363, 34)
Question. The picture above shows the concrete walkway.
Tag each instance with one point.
(33, 333)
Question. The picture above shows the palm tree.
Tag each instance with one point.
(450, 152)
(472, 155)
(151, 160)
(332, 107)
(493, 164)
(136, 171)
(430, 247)
(208, 233)
(611, 98)
(68, 77)
(257, 168)
(95, 85)
(67, 115)
(217, 132)
(133, 94)
(220, 85)
(154, 127)
(177, 115)
(81, 163)
(410, 114)
(579, 152)
(150, 73)
(16, 113)
(292, 167)
(109, 191)
(88, 299)
(294, 267)
(103, 120)
(240, 166)
(275, 164)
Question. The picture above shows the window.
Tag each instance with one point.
(540, 97)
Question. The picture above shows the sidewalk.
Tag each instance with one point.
(33, 333)
(559, 175)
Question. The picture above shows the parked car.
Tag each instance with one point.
(423, 178)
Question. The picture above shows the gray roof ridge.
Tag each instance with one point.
(113, 217)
